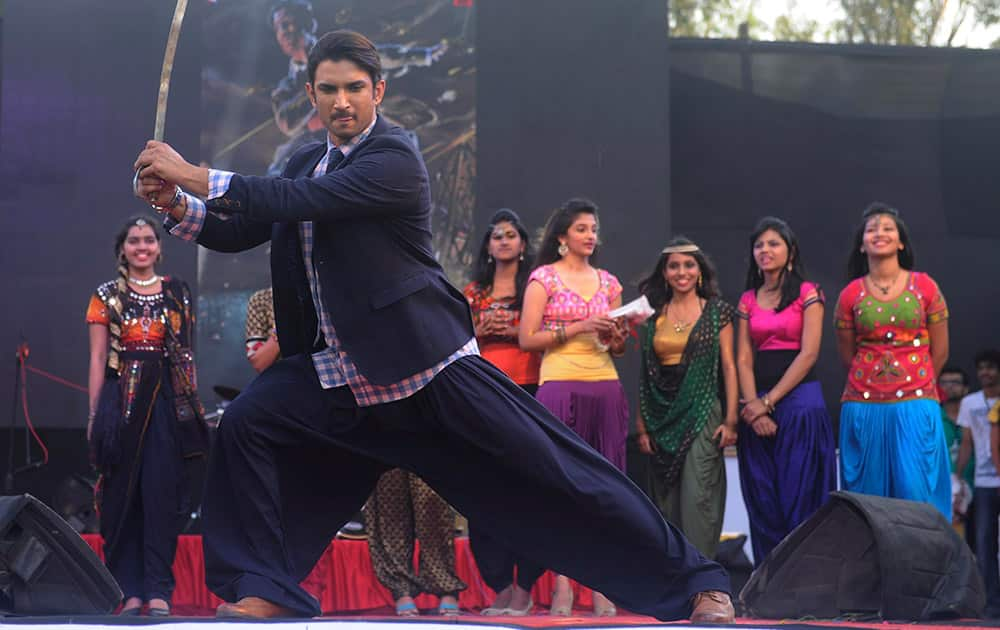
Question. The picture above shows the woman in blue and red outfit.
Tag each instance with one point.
(892, 334)
(495, 295)
(145, 418)
(786, 452)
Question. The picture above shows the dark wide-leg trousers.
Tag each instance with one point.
(142, 560)
(292, 462)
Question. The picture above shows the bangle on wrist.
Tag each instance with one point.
(561, 334)
(170, 204)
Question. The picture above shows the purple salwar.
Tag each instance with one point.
(596, 411)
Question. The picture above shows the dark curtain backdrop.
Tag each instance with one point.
(573, 102)
(79, 84)
(812, 134)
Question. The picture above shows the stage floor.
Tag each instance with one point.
(384, 621)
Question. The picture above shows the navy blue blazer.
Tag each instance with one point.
(394, 311)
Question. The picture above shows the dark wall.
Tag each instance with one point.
(79, 93)
(573, 102)
(812, 134)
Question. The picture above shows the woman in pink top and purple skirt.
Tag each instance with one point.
(565, 312)
(786, 448)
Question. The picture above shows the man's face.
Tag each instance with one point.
(289, 34)
(988, 373)
(344, 98)
(952, 385)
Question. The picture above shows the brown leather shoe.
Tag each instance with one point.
(712, 607)
(253, 608)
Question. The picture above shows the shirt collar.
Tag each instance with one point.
(348, 146)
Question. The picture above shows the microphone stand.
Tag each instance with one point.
(20, 356)
(8, 480)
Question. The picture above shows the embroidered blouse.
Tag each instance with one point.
(503, 352)
(893, 359)
(144, 318)
(584, 357)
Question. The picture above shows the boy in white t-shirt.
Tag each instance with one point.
(975, 423)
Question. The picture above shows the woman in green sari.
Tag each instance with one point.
(687, 366)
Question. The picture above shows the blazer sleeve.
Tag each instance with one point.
(234, 234)
(385, 177)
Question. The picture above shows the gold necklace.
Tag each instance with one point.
(885, 289)
(678, 325)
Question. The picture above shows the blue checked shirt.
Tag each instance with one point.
(333, 366)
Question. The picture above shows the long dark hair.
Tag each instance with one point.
(558, 225)
(658, 291)
(485, 266)
(857, 263)
(790, 280)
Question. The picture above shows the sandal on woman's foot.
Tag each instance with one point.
(449, 609)
(603, 607)
(157, 611)
(131, 607)
(563, 607)
(606, 611)
(500, 603)
(407, 609)
(520, 612)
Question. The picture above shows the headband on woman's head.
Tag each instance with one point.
(686, 248)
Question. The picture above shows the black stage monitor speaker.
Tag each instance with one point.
(45, 567)
(868, 556)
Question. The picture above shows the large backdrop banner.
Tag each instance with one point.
(255, 114)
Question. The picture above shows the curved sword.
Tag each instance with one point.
(167, 69)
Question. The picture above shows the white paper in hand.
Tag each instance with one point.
(636, 311)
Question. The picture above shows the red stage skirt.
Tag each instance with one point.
(342, 580)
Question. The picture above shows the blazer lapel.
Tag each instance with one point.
(313, 161)
(288, 233)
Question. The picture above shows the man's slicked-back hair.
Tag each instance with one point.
(346, 46)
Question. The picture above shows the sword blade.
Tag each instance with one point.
(168, 67)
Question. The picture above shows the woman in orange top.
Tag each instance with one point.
(495, 295)
(145, 418)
